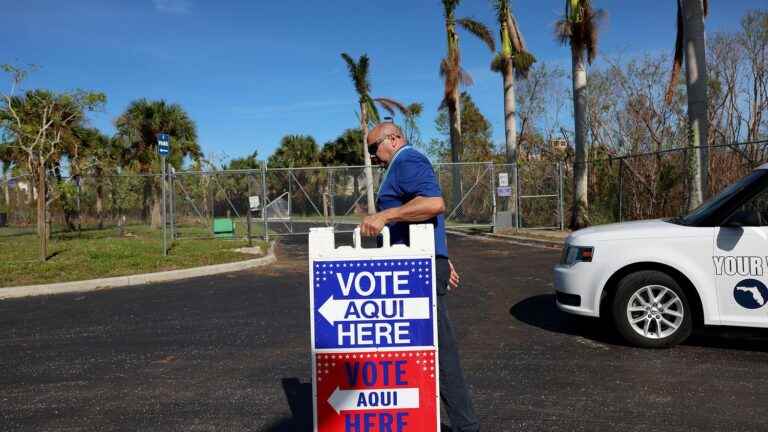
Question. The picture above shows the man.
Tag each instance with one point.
(409, 193)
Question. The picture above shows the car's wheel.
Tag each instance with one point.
(650, 310)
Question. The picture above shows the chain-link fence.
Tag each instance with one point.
(266, 201)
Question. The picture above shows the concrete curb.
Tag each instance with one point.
(521, 240)
(132, 280)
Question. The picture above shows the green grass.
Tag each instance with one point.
(104, 253)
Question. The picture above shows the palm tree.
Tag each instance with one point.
(453, 75)
(358, 71)
(578, 28)
(691, 41)
(99, 156)
(513, 60)
(139, 126)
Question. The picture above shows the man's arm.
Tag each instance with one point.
(416, 210)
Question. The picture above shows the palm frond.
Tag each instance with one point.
(579, 27)
(392, 106)
(358, 71)
(415, 109)
(677, 62)
(522, 62)
(351, 65)
(518, 43)
(498, 63)
(451, 73)
(362, 72)
(563, 31)
(480, 30)
(373, 112)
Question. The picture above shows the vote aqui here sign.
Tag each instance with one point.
(373, 303)
(374, 338)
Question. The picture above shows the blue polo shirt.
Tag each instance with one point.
(410, 175)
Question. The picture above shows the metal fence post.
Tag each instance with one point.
(518, 201)
(332, 207)
(290, 199)
(249, 210)
(79, 209)
(172, 199)
(493, 195)
(561, 175)
(621, 189)
(264, 206)
(164, 216)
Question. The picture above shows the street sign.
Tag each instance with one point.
(253, 202)
(504, 191)
(163, 144)
(503, 179)
(374, 333)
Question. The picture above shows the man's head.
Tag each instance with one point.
(384, 141)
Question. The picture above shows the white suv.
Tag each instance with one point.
(656, 279)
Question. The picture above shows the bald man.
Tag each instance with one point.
(409, 193)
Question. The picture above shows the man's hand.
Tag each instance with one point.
(453, 281)
(372, 225)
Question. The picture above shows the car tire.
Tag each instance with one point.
(650, 310)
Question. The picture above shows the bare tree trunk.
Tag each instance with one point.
(42, 227)
(696, 81)
(579, 215)
(100, 203)
(510, 130)
(367, 158)
(454, 116)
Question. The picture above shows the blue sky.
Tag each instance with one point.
(251, 71)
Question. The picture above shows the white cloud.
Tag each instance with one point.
(172, 6)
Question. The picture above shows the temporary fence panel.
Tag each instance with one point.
(468, 193)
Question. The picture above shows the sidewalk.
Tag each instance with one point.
(545, 238)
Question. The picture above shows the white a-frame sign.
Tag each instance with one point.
(373, 314)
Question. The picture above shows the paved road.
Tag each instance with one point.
(230, 353)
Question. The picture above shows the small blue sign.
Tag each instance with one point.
(163, 144)
(373, 303)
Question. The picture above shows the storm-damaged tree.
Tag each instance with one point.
(513, 60)
(578, 28)
(690, 44)
(358, 71)
(453, 75)
(37, 124)
(138, 127)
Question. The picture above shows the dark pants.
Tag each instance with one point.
(453, 389)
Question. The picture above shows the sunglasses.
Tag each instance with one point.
(374, 146)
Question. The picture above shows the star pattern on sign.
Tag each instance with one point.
(323, 365)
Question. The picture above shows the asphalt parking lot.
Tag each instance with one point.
(231, 353)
